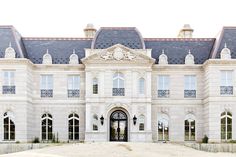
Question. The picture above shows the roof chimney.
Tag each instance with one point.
(186, 32)
(89, 31)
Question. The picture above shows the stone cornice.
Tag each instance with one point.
(219, 62)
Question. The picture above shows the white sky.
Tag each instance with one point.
(153, 18)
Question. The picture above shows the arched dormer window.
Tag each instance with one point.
(95, 86)
(9, 126)
(141, 86)
(118, 85)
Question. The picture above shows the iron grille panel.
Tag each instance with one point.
(190, 93)
(226, 90)
(8, 89)
(46, 93)
(73, 93)
(118, 91)
(163, 93)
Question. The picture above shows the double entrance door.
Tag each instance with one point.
(118, 126)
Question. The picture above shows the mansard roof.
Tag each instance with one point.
(61, 48)
(227, 36)
(177, 48)
(109, 36)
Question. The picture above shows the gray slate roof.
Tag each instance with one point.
(228, 36)
(127, 36)
(176, 49)
(59, 48)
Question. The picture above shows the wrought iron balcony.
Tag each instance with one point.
(8, 89)
(72, 93)
(226, 90)
(118, 91)
(46, 93)
(163, 93)
(190, 93)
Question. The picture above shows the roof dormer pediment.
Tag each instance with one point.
(118, 54)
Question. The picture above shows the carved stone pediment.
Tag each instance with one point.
(117, 54)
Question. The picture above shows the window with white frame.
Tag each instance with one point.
(9, 126)
(118, 85)
(8, 82)
(190, 85)
(73, 126)
(141, 120)
(141, 86)
(95, 86)
(46, 85)
(73, 86)
(163, 86)
(226, 83)
(95, 122)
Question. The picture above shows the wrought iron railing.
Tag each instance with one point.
(190, 93)
(118, 91)
(46, 93)
(226, 90)
(163, 93)
(8, 89)
(73, 93)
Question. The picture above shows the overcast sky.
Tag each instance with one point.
(153, 18)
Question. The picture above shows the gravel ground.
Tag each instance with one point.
(109, 149)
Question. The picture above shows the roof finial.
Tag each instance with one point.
(9, 44)
(225, 45)
(189, 52)
(73, 51)
(163, 52)
(47, 51)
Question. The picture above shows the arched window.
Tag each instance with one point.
(141, 120)
(73, 126)
(141, 86)
(226, 126)
(118, 85)
(163, 129)
(189, 125)
(46, 126)
(95, 122)
(9, 126)
(95, 86)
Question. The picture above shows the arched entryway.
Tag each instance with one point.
(118, 126)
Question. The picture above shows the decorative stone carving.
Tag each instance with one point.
(225, 53)
(10, 52)
(74, 59)
(118, 54)
(189, 59)
(47, 58)
(163, 59)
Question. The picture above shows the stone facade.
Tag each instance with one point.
(147, 105)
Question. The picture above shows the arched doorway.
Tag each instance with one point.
(118, 126)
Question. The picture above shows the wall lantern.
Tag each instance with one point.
(102, 119)
(135, 120)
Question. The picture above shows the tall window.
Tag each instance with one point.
(73, 127)
(9, 126)
(141, 86)
(95, 122)
(226, 126)
(8, 82)
(46, 86)
(226, 87)
(118, 85)
(46, 126)
(190, 86)
(141, 122)
(73, 86)
(163, 86)
(189, 129)
(163, 129)
(95, 86)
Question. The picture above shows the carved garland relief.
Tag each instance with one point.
(118, 54)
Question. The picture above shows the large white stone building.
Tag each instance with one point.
(115, 85)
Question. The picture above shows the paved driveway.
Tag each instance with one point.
(117, 150)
